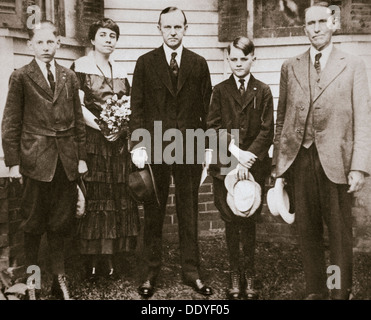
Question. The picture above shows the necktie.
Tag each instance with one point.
(173, 64)
(241, 89)
(317, 64)
(50, 77)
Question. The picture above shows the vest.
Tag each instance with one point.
(314, 80)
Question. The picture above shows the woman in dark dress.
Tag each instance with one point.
(111, 222)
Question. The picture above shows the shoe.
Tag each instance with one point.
(31, 294)
(92, 275)
(146, 289)
(200, 287)
(315, 296)
(234, 291)
(59, 288)
(250, 292)
(111, 274)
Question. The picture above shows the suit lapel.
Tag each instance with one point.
(161, 66)
(250, 92)
(60, 81)
(184, 69)
(234, 91)
(301, 71)
(335, 65)
(34, 72)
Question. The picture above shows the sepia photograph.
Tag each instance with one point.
(185, 157)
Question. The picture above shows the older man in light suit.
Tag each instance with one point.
(323, 146)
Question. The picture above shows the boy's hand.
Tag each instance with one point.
(242, 172)
(83, 168)
(246, 158)
(15, 174)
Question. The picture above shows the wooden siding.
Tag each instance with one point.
(139, 33)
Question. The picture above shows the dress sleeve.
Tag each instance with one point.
(80, 76)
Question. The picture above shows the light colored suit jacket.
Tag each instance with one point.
(341, 115)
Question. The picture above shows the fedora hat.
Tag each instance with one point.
(142, 186)
(279, 203)
(244, 196)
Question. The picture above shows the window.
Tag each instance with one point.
(285, 18)
(10, 12)
(13, 13)
(279, 18)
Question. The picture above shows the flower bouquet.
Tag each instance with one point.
(115, 115)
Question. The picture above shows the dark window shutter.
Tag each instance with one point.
(10, 13)
(356, 17)
(88, 11)
(232, 19)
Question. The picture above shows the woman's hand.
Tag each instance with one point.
(114, 136)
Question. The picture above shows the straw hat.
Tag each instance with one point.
(244, 196)
(279, 203)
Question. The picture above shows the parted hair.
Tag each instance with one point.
(172, 9)
(242, 43)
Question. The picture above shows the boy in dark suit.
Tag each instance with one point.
(246, 104)
(43, 137)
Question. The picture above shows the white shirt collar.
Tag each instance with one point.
(169, 51)
(325, 54)
(43, 69)
(238, 83)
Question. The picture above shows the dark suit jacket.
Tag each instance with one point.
(153, 97)
(38, 127)
(341, 117)
(251, 114)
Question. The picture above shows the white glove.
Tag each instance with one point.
(139, 157)
(246, 158)
(208, 157)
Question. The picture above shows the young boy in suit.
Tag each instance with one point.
(246, 104)
(43, 137)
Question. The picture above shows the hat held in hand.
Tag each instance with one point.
(142, 186)
(279, 203)
(244, 196)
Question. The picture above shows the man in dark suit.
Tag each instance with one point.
(43, 137)
(323, 147)
(171, 87)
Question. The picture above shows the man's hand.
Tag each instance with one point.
(139, 157)
(15, 174)
(246, 158)
(83, 168)
(356, 180)
(208, 157)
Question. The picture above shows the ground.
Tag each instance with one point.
(278, 267)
